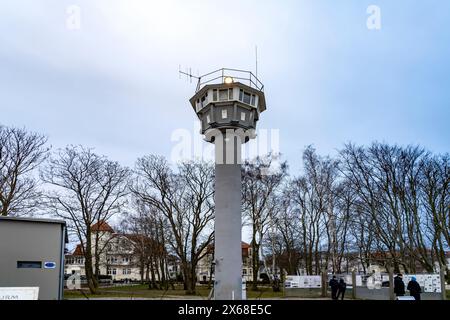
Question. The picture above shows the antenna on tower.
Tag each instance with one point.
(256, 56)
(188, 74)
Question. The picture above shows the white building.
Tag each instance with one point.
(205, 265)
(118, 257)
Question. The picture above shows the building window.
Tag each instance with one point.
(127, 271)
(203, 101)
(245, 97)
(114, 271)
(244, 272)
(208, 119)
(253, 100)
(215, 95)
(224, 114)
(242, 116)
(223, 95)
(230, 94)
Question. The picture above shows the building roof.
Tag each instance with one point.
(245, 245)
(102, 225)
(28, 219)
(78, 250)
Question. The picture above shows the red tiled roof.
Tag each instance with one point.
(245, 245)
(78, 251)
(102, 226)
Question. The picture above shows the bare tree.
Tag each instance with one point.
(21, 152)
(402, 192)
(147, 229)
(87, 189)
(435, 184)
(185, 199)
(284, 239)
(313, 198)
(259, 192)
(344, 215)
(381, 204)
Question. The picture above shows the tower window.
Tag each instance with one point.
(203, 101)
(245, 97)
(223, 95)
(208, 119)
(215, 94)
(242, 116)
(224, 114)
(253, 100)
(230, 94)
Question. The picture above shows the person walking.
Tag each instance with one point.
(414, 288)
(341, 289)
(399, 285)
(334, 288)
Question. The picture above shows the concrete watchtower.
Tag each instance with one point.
(228, 103)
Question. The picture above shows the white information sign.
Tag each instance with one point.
(428, 282)
(19, 293)
(303, 282)
(359, 281)
(348, 279)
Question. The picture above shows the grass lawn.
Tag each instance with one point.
(142, 291)
(202, 292)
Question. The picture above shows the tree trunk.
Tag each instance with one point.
(147, 274)
(152, 272)
(162, 279)
(141, 271)
(158, 274)
(255, 265)
(90, 276)
(189, 279)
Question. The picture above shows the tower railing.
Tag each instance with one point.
(219, 76)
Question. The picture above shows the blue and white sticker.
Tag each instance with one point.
(49, 265)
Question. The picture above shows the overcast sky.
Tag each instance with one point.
(113, 84)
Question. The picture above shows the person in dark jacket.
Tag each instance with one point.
(399, 285)
(334, 284)
(341, 289)
(414, 288)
